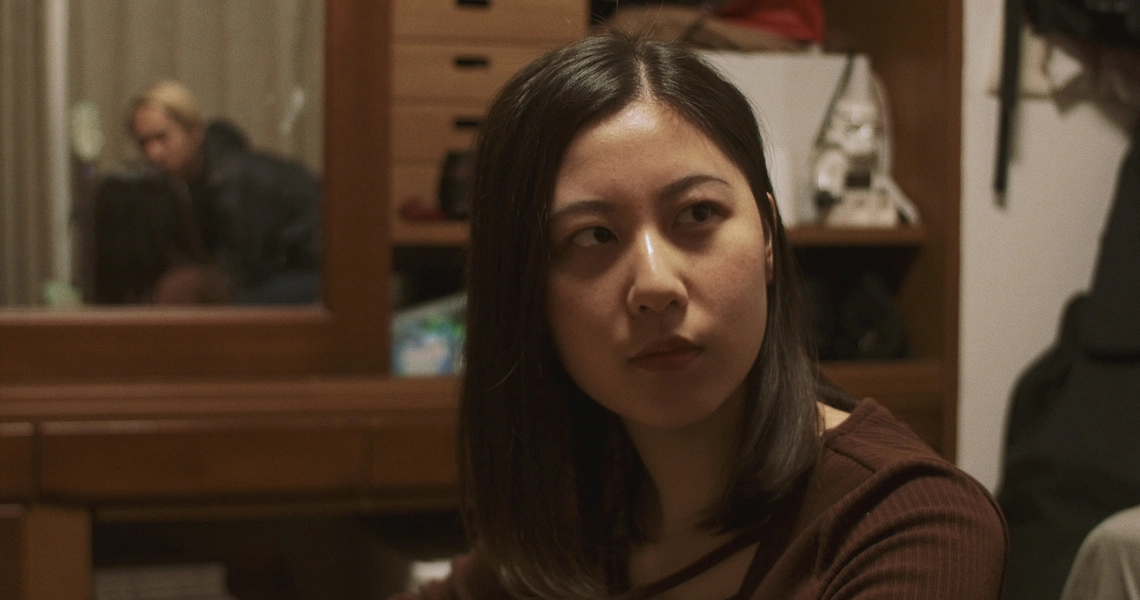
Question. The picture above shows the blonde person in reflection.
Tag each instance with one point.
(258, 214)
(641, 413)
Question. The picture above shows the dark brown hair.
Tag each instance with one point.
(142, 227)
(548, 478)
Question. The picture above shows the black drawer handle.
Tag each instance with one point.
(466, 123)
(472, 62)
(474, 3)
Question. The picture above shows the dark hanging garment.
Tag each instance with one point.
(1073, 443)
(1110, 23)
(1113, 23)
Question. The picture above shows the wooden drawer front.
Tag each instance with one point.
(202, 459)
(491, 20)
(454, 73)
(16, 480)
(415, 454)
(428, 133)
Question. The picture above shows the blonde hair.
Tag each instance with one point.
(172, 97)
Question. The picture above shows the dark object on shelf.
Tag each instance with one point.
(455, 185)
(856, 321)
(821, 314)
(869, 325)
(416, 208)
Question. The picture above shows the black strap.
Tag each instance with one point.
(779, 534)
(775, 529)
(1010, 80)
(716, 556)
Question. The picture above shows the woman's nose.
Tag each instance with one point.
(656, 281)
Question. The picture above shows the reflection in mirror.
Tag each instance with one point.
(160, 151)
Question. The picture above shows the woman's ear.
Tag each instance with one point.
(769, 259)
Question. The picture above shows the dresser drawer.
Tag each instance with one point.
(454, 73)
(429, 132)
(508, 21)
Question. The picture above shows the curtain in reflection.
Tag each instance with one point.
(25, 250)
(259, 63)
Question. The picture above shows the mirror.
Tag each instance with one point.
(81, 223)
(347, 334)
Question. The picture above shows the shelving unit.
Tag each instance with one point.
(818, 236)
(449, 59)
(430, 233)
(916, 48)
(922, 76)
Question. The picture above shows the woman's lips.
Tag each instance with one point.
(674, 354)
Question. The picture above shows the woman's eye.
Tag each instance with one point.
(592, 236)
(696, 213)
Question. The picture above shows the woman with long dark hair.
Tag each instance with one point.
(145, 243)
(642, 415)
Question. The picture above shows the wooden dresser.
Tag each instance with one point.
(449, 57)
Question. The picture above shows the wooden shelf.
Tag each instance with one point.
(819, 236)
(455, 233)
(429, 233)
(906, 377)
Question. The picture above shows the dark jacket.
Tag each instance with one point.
(259, 217)
(1074, 423)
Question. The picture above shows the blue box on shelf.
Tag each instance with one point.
(427, 339)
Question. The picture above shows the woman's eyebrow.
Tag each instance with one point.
(583, 206)
(675, 189)
(668, 194)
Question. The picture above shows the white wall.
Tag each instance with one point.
(1020, 264)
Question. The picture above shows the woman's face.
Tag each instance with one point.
(165, 142)
(657, 293)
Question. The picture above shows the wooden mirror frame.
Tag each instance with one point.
(346, 334)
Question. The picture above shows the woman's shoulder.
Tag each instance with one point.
(876, 444)
(877, 480)
(873, 453)
(879, 501)
(874, 437)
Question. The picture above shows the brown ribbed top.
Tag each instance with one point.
(881, 516)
